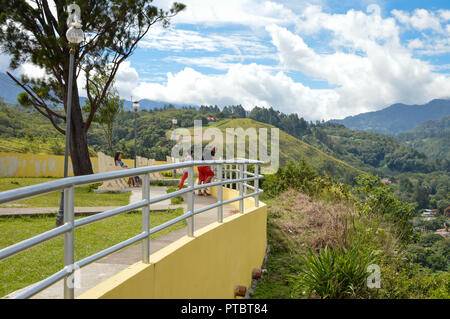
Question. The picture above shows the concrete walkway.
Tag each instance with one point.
(136, 195)
(97, 272)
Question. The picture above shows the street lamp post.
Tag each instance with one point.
(136, 109)
(174, 125)
(75, 36)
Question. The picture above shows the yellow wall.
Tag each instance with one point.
(37, 165)
(210, 265)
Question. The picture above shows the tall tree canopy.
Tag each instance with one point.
(34, 31)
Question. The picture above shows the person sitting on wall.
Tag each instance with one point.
(118, 162)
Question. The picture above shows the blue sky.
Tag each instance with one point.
(321, 59)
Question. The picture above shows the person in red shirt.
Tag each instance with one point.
(205, 174)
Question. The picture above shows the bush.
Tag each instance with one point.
(333, 273)
(93, 187)
(57, 148)
(378, 200)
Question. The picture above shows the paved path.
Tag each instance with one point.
(136, 195)
(101, 270)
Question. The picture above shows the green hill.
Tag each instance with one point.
(293, 149)
(431, 138)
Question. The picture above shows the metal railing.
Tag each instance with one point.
(224, 177)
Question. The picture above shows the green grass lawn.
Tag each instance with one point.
(47, 258)
(84, 195)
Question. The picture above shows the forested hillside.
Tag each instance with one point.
(431, 138)
(397, 118)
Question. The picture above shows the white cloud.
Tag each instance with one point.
(444, 14)
(178, 40)
(420, 19)
(222, 62)
(248, 85)
(354, 29)
(251, 13)
(126, 80)
(415, 44)
(386, 74)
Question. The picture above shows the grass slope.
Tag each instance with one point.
(41, 261)
(293, 149)
(84, 195)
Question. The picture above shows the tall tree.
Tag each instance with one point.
(110, 108)
(34, 31)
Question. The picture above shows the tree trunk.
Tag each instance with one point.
(79, 152)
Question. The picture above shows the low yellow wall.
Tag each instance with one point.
(209, 265)
(37, 165)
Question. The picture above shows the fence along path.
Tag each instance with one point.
(240, 178)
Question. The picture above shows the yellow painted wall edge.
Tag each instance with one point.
(41, 165)
(209, 265)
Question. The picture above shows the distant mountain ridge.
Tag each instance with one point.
(397, 118)
(9, 92)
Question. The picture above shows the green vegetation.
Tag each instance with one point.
(84, 195)
(109, 109)
(431, 138)
(292, 149)
(431, 251)
(329, 148)
(333, 273)
(323, 235)
(371, 151)
(174, 200)
(47, 258)
(25, 131)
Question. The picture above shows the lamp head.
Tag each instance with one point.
(75, 35)
(136, 106)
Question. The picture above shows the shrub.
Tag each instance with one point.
(57, 148)
(378, 200)
(333, 273)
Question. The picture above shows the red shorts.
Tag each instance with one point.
(204, 172)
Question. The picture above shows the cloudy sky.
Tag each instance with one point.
(321, 59)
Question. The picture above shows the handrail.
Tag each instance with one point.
(68, 185)
(39, 189)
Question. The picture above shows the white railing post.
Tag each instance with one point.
(220, 194)
(191, 195)
(231, 176)
(256, 184)
(245, 176)
(146, 219)
(241, 188)
(69, 243)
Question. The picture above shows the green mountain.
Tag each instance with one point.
(373, 152)
(293, 149)
(431, 138)
(397, 118)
